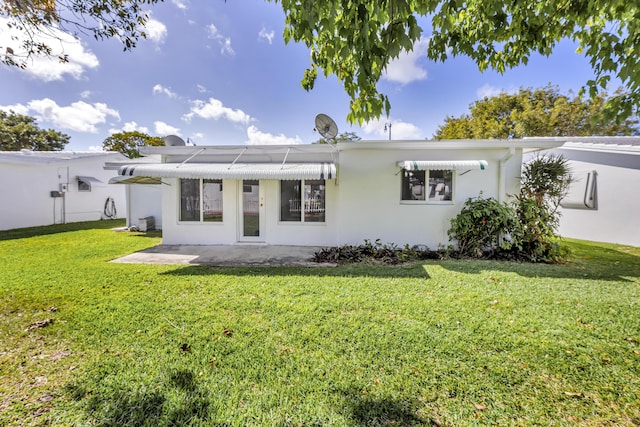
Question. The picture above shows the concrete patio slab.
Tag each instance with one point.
(226, 255)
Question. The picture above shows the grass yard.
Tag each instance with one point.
(446, 343)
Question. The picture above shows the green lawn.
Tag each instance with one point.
(449, 343)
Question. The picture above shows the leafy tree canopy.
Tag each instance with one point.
(103, 19)
(18, 132)
(344, 136)
(539, 112)
(356, 40)
(128, 143)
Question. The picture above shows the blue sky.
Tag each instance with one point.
(218, 72)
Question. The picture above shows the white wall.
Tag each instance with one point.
(617, 217)
(26, 199)
(143, 200)
(370, 205)
(273, 231)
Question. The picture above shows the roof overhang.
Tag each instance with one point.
(420, 165)
(289, 171)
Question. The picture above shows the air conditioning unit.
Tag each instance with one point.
(147, 223)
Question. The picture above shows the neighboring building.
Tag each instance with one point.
(55, 187)
(603, 203)
(403, 192)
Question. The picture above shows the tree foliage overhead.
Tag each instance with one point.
(19, 132)
(102, 19)
(356, 40)
(129, 143)
(539, 112)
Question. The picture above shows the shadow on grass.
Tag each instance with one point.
(385, 411)
(23, 233)
(414, 270)
(146, 407)
(588, 262)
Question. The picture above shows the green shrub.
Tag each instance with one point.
(482, 226)
(545, 181)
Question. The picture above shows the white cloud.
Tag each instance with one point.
(214, 109)
(266, 35)
(96, 148)
(79, 116)
(164, 90)
(255, 137)
(156, 31)
(130, 127)
(213, 31)
(226, 48)
(488, 91)
(202, 89)
(399, 129)
(406, 68)
(223, 42)
(179, 4)
(85, 94)
(161, 128)
(16, 108)
(49, 68)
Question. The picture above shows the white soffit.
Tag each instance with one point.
(420, 165)
(289, 171)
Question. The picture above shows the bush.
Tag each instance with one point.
(545, 181)
(388, 253)
(482, 227)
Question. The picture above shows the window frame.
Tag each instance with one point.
(84, 186)
(303, 212)
(427, 177)
(201, 202)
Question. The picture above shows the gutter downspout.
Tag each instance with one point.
(502, 174)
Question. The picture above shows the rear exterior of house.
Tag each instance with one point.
(56, 187)
(403, 192)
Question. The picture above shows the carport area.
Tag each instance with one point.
(225, 255)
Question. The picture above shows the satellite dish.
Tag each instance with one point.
(326, 126)
(173, 141)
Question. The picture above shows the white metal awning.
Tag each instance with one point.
(421, 165)
(289, 171)
(89, 179)
(135, 180)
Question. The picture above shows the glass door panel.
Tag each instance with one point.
(250, 208)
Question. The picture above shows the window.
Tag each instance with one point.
(201, 200)
(84, 185)
(302, 201)
(429, 185)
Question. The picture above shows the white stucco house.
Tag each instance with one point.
(56, 187)
(403, 192)
(603, 203)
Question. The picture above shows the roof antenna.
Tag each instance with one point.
(326, 126)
